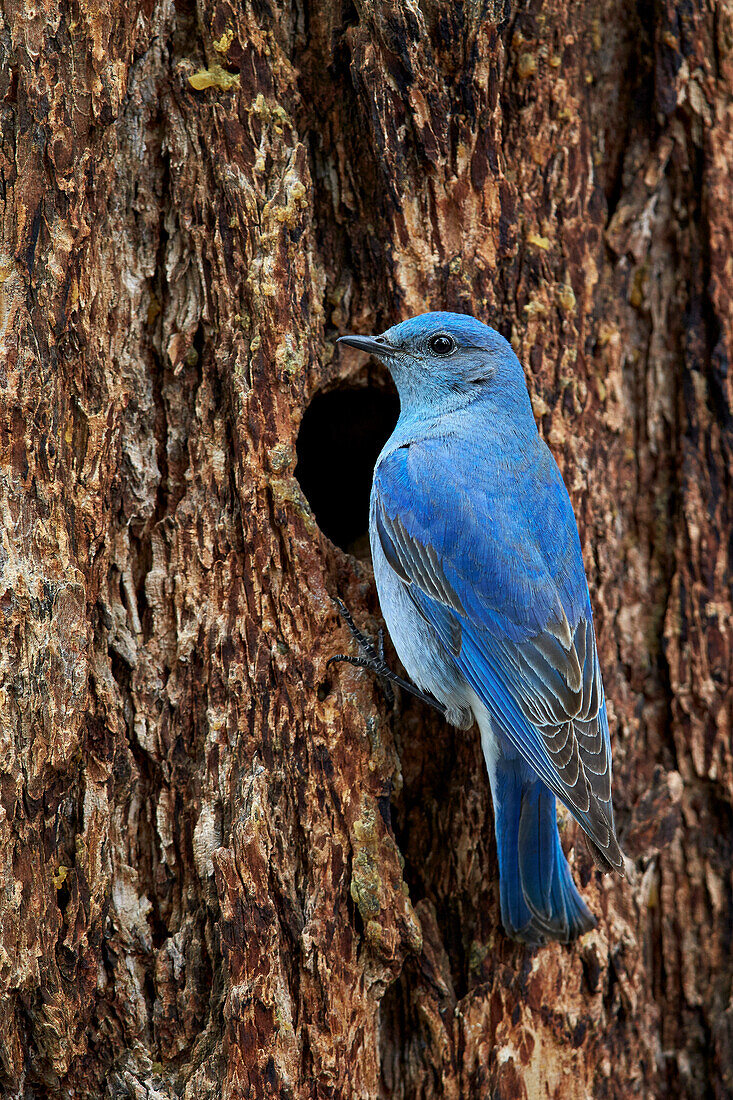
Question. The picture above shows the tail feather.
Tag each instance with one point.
(539, 900)
(535, 844)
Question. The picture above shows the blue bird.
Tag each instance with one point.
(481, 581)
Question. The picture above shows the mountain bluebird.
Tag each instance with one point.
(481, 581)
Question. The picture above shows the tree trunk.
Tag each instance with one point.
(228, 870)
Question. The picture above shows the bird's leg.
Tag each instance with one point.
(373, 659)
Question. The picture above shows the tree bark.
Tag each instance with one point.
(226, 870)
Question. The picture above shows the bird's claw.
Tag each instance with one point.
(373, 660)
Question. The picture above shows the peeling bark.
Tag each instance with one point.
(225, 871)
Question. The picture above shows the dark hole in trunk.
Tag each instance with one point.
(342, 433)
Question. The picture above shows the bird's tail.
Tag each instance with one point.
(539, 900)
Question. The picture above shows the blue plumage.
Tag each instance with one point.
(481, 580)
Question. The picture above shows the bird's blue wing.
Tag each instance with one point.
(489, 553)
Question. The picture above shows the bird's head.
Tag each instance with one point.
(445, 360)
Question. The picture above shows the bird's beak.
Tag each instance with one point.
(374, 345)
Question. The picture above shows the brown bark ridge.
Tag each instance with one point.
(226, 871)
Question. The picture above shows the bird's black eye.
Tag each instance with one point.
(441, 344)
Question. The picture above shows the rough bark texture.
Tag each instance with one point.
(225, 871)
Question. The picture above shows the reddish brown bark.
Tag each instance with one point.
(226, 871)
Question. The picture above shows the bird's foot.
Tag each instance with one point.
(373, 660)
